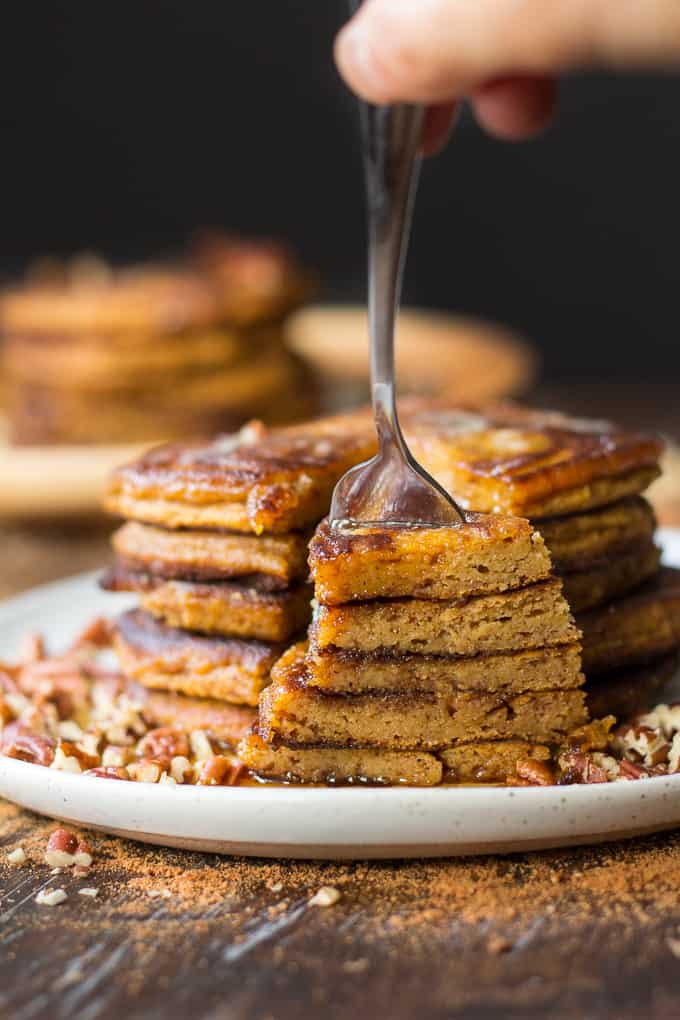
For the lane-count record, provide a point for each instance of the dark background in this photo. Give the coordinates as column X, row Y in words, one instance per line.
column 126, row 125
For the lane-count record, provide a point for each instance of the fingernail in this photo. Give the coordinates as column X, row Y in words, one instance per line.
column 355, row 56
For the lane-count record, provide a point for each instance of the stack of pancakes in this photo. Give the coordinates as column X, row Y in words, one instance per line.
column 96, row 355
column 432, row 651
column 580, row 483
column 215, row 543
column 405, row 634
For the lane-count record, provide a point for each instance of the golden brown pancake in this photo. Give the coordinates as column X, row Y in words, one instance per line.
column 282, row 392
column 151, row 363
column 339, row 765
column 486, row 553
column 524, row 618
column 225, row 280
column 227, row 669
column 492, row 761
column 263, row 480
column 585, row 589
column 294, row 714
column 348, row 672
column 584, row 541
column 274, row 560
column 531, row 463
column 225, row 608
column 636, row 629
column 226, row 723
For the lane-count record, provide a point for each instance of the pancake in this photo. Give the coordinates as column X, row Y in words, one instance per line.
column 262, row 480
column 583, row 541
column 530, row 463
column 350, row 672
column 225, row 608
column 296, row 715
column 40, row 415
column 224, row 280
column 586, row 589
column 151, row 362
column 524, row 618
column 227, row 669
column 628, row 692
column 339, row 765
column 633, row 630
column 276, row 561
column 486, row 553
column 491, row 761
column 226, row 723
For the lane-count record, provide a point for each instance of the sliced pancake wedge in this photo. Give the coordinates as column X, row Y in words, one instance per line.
column 489, row 761
column 348, row 672
column 333, row 765
column 523, row 618
column 485, row 553
column 295, row 714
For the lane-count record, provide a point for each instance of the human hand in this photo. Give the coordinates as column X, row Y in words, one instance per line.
column 501, row 54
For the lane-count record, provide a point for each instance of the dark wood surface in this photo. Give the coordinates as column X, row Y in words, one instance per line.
column 586, row 933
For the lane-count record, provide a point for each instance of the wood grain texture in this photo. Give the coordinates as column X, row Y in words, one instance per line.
column 581, row 933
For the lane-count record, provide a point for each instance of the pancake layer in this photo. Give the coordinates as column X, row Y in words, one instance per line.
column 228, row 669
column 636, row 629
column 225, row 608
column 486, row 553
column 524, row 618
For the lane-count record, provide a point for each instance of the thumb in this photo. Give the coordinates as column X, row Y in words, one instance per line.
column 432, row 51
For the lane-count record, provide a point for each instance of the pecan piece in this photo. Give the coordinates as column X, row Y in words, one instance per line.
column 97, row 634
column 85, row 760
column 214, row 771
column 164, row 744
column 108, row 772
column 18, row 741
column 579, row 767
column 536, row 773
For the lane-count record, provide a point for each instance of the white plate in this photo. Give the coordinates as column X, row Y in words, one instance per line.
column 318, row 822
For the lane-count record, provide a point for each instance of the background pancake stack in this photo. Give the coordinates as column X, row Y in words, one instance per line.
column 579, row 482
column 93, row 355
column 433, row 651
column 216, row 545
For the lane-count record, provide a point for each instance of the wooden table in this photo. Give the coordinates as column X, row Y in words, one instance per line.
column 586, row 933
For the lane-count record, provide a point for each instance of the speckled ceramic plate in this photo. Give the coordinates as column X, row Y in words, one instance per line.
column 272, row 821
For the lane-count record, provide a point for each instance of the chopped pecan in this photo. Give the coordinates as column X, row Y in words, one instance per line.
column 108, row 772
column 18, row 741
column 214, row 771
column 97, row 634
column 146, row 770
column 534, row 772
column 164, row 744
column 629, row 770
column 594, row 736
column 85, row 760
column 32, row 648
column 61, row 848
column 579, row 767
column 6, row 713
